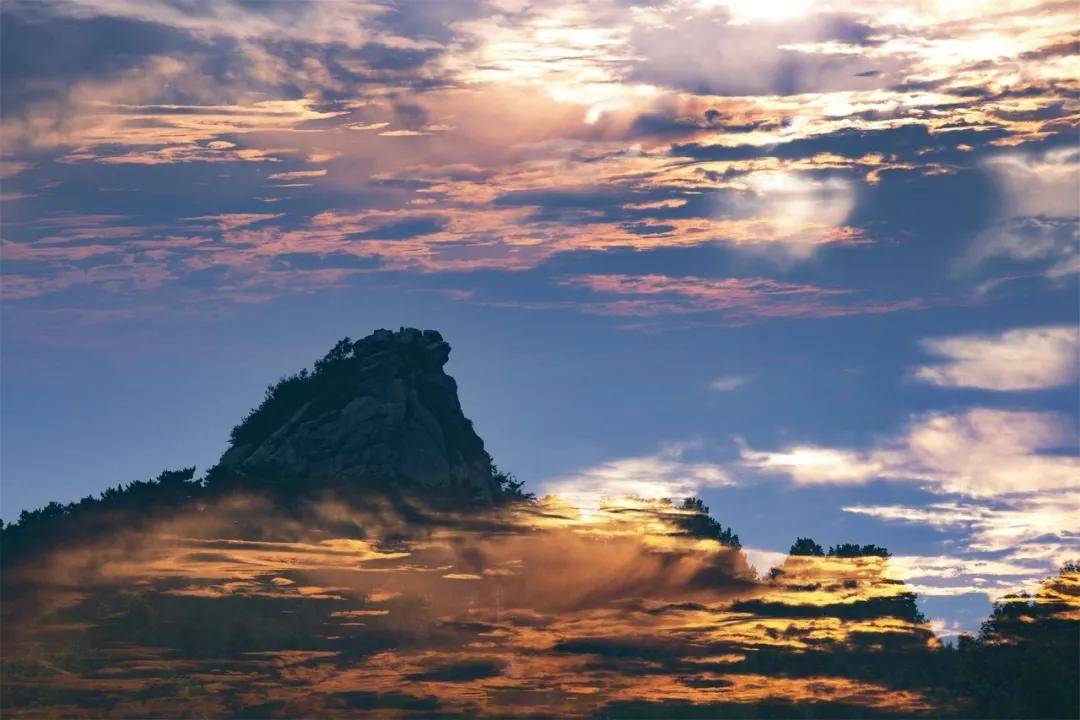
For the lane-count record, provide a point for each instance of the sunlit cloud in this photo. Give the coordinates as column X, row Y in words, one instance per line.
column 667, row 474
column 1046, row 185
column 980, row 452
column 572, row 52
column 813, row 465
column 775, row 125
column 800, row 213
column 555, row 599
column 1018, row 359
column 1039, row 213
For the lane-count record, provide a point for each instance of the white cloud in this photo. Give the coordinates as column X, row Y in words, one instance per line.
column 727, row 383
column 937, row 515
column 1040, row 185
column 797, row 212
column 1041, row 203
column 814, row 465
column 979, row 452
column 762, row 560
column 1049, row 241
column 1020, row 359
column 984, row 452
column 663, row 475
column 946, row 566
column 1018, row 525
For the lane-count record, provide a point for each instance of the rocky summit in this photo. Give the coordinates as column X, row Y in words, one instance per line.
column 373, row 414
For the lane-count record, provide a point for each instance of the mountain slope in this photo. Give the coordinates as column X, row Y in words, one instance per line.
column 377, row 413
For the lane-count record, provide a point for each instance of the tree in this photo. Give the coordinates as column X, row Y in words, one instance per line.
column 854, row 550
column 510, row 485
column 806, row 547
column 700, row 524
column 342, row 350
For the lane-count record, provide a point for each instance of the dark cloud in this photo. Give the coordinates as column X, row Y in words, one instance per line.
column 382, row 57
column 657, row 124
column 40, row 56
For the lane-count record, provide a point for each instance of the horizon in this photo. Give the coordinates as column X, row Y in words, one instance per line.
column 813, row 265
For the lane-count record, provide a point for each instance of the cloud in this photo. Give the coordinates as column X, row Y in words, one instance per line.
column 985, row 452
column 727, row 383
column 980, row 452
column 666, row 474
column 297, row 174
column 623, row 603
column 793, row 213
column 1047, row 184
column 1020, row 359
column 1006, row 525
column 813, row 465
column 761, row 560
column 1008, row 543
column 232, row 221
column 514, row 108
column 943, row 576
column 746, row 48
column 1041, row 202
column 738, row 300
column 1048, row 242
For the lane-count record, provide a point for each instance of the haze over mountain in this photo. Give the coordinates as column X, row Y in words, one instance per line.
column 356, row 551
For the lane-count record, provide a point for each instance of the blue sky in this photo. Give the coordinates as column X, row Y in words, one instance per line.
column 815, row 264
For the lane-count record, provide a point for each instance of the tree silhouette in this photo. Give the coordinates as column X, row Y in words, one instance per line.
column 806, row 546
column 1024, row 661
column 701, row 524
column 57, row 522
column 853, row 550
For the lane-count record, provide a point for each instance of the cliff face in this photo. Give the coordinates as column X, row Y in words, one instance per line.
column 377, row 413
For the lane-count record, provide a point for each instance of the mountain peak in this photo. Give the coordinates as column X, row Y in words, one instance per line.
column 378, row 413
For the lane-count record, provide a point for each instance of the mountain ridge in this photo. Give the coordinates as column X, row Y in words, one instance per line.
column 377, row 413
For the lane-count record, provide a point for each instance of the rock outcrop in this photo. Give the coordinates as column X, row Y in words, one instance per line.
column 374, row 414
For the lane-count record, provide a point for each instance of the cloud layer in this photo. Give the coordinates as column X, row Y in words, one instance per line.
column 1018, row 359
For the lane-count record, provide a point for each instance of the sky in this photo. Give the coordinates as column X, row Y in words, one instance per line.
column 814, row 263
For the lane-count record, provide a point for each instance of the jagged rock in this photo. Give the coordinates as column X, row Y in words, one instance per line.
column 380, row 412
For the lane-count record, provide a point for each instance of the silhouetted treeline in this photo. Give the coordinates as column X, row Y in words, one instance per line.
column 138, row 503
column 807, row 547
column 114, row 508
column 701, row 524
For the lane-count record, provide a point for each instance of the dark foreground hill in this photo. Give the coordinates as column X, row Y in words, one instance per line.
column 356, row 553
